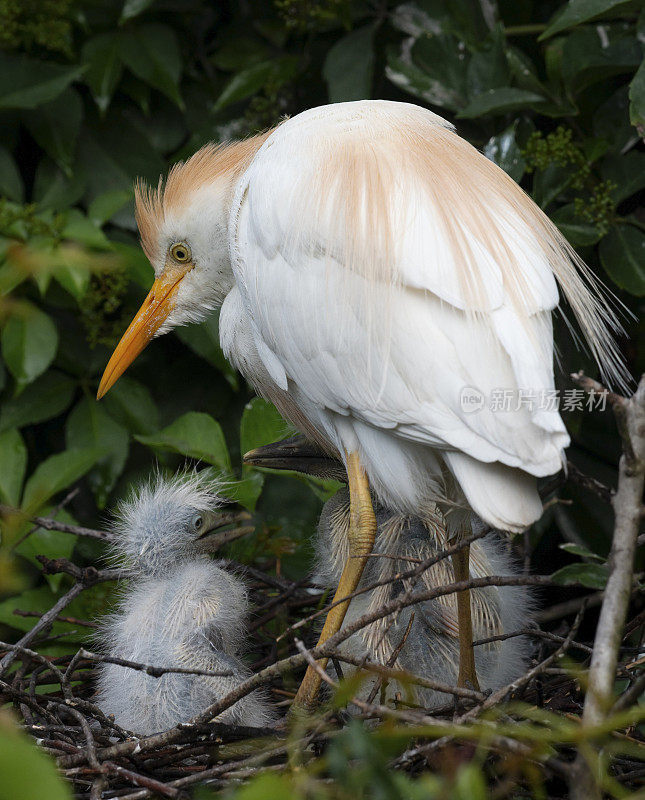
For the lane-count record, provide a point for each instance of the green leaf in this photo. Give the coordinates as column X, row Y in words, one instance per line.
column 579, row 232
column 499, row 101
column 594, row 576
column 10, row 179
column 581, row 550
column 55, row 126
column 74, row 279
column 611, row 121
column 637, row 100
column 29, row 344
column 586, row 59
column 627, row 172
column 622, row 254
column 27, row 772
column 111, row 153
column 261, row 424
column 488, row 67
column 349, row 66
column 504, row 151
column 577, row 11
column 13, row 465
column 102, row 58
column 136, row 264
column 434, row 68
column 56, row 473
column 249, row 81
column 89, row 426
column 80, row 229
column 132, row 8
column 239, row 52
column 549, row 183
column 130, row 404
column 55, row 190
column 38, row 600
column 27, row 83
column 152, row 53
column 196, row 435
column 45, row 398
column 105, row 206
column 203, row 339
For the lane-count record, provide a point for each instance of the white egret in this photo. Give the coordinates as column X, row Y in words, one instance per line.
column 179, row 610
column 375, row 273
column 429, row 647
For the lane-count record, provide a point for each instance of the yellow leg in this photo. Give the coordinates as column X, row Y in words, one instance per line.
column 362, row 531
column 467, row 672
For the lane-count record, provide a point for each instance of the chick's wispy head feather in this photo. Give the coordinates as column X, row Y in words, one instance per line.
column 163, row 519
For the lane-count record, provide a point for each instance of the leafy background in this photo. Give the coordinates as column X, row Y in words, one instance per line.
column 96, row 93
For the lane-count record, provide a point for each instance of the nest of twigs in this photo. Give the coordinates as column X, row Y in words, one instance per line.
column 104, row 761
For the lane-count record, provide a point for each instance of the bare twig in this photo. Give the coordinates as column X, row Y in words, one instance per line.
column 51, row 524
column 44, row 622
column 628, row 511
column 155, row 672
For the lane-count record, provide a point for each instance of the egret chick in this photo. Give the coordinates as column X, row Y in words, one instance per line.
column 180, row 609
column 431, row 647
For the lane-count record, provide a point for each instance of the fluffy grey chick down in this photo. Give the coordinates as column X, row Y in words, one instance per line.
column 179, row 610
column 431, row 649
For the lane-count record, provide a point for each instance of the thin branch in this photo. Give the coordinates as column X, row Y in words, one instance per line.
column 44, row 622
column 628, row 511
column 155, row 672
column 51, row 524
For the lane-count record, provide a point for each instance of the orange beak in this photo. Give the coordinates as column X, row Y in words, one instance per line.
column 150, row 317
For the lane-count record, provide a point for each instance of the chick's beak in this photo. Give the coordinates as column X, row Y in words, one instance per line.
column 149, row 318
column 213, row 538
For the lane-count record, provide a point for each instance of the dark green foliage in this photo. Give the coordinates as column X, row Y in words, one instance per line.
column 96, row 94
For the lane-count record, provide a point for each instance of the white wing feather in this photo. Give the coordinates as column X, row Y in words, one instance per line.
column 387, row 347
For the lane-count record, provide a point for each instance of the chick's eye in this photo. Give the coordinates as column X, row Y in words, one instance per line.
column 197, row 522
column 180, row 252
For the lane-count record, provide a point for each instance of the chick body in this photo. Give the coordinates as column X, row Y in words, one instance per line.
column 431, row 649
column 180, row 609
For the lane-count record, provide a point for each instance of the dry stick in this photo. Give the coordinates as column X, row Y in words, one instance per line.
column 67, row 499
column 392, row 659
column 568, row 607
column 32, row 654
column 155, row 672
column 83, row 623
column 44, row 622
column 409, row 677
column 141, row 780
column 631, row 695
column 50, row 524
column 628, row 511
column 502, row 637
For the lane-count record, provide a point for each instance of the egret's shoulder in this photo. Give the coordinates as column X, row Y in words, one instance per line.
column 310, row 132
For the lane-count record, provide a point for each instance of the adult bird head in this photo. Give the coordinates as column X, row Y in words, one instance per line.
column 184, row 232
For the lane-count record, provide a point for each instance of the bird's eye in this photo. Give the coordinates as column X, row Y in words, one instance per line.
column 180, row 252
column 197, row 522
